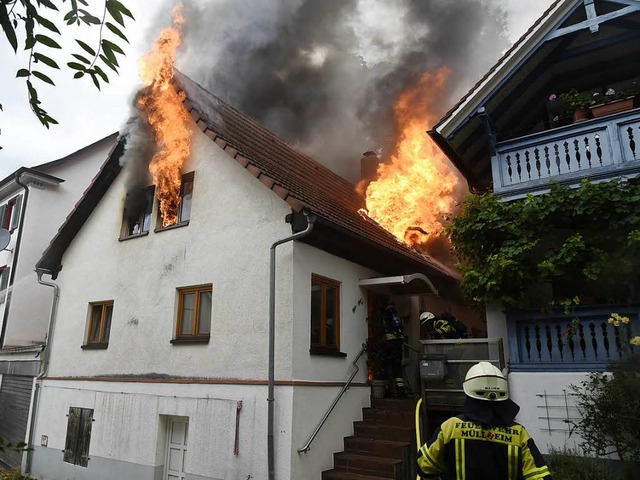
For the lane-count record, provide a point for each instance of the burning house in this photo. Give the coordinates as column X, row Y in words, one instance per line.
column 193, row 352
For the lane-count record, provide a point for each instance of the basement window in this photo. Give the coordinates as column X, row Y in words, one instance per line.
column 183, row 209
column 325, row 315
column 137, row 213
column 76, row 446
column 100, row 314
column 194, row 314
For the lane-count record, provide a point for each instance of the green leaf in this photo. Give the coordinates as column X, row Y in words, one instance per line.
column 29, row 42
column 70, row 16
column 83, row 2
column 51, row 120
column 95, row 80
column 100, row 72
column 114, row 12
column 109, row 53
column 77, row 66
column 81, row 58
column 46, row 60
column 47, row 3
column 78, row 75
column 42, row 77
column 112, row 46
column 9, row 32
column 108, row 63
column 88, row 18
column 49, row 42
column 117, row 31
column 86, row 48
column 23, row 72
column 120, row 7
column 47, row 24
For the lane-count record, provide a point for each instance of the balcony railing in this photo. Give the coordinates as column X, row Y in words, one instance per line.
column 600, row 148
column 583, row 340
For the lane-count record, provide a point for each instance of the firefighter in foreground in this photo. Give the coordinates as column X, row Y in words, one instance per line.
column 484, row 442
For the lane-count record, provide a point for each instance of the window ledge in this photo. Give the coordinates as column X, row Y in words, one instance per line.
column 171, row 227
column 329, row 352
column 129, row 237
column 187, row 340
column 95, row 346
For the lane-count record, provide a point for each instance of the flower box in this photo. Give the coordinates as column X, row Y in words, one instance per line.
column 614, row 106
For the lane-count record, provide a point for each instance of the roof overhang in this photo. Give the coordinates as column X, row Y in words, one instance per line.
column 422, row 282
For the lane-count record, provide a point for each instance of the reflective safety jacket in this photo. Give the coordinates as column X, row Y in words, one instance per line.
column 465, row 450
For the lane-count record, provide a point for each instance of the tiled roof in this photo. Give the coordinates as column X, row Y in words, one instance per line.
column 298, row 179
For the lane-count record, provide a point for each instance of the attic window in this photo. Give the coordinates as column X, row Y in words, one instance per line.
column 137, row 212
column 10, row 213
column 184, row 207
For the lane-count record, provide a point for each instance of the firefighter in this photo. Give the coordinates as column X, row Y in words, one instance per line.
column 443, row 326
column 394, row 340
column 484, row 442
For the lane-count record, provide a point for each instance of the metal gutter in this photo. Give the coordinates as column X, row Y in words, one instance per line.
column 272, row 336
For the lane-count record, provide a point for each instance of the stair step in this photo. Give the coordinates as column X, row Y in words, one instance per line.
column 404, row 418
column 383, row 432
column 339, row 475
column 365, row 464
column 375, row 446
column 395, row 404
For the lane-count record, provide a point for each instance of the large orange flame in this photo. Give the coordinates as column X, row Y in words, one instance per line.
column 169, row 119
column 418, row 188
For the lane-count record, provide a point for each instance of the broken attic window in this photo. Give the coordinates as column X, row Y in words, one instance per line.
column 137, row 212
column 183, row 213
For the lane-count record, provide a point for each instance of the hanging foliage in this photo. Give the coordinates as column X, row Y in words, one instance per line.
column 581, row 242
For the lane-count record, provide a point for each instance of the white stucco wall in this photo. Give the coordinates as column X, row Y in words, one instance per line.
column 234, row 221
column 545, row 404
column 128, row 428
column 46, row 209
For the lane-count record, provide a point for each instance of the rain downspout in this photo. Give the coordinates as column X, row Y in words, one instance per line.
column 272, row 336
column 16, row 250
column 45, row 354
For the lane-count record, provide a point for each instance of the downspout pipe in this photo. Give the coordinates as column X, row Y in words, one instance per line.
column 16, row 250
column 272, row 337
column 45, row 355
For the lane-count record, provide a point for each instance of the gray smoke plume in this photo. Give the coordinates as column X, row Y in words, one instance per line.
column 324, row 74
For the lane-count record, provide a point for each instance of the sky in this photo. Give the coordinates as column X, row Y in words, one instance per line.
column 86, row 115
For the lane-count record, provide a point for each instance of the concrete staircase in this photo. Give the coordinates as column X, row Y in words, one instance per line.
column 383, row 444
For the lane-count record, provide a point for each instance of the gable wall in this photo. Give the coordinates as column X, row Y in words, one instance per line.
column 234, row 220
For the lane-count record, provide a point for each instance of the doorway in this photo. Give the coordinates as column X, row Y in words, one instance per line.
column 177, row 437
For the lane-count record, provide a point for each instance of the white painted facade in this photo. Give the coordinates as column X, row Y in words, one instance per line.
column 234, row 221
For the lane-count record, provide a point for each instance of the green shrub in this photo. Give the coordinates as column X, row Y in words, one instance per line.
column 568, row 464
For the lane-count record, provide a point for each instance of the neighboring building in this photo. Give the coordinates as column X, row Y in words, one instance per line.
column 160, row 357
column 501, row 136
column 34, row 202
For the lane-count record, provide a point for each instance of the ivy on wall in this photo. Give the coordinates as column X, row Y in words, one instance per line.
column 582, row 242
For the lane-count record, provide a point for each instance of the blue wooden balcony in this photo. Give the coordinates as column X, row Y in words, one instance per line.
column 598, row 149
column 541, row 341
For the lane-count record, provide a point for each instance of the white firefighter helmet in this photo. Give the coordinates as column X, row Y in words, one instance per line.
column 484, row 381
column 426, row 316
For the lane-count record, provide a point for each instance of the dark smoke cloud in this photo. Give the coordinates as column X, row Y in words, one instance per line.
column 324, row 74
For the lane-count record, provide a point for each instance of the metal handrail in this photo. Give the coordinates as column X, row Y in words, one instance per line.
column 307, row 446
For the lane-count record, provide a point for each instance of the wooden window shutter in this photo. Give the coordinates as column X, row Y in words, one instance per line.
column 73, row 427
column 84, row 439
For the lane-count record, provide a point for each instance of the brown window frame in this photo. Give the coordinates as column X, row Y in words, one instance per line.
column 101, row 342
column 322, row 346
column 187, row 179
column 194, row 336
column 141, row 214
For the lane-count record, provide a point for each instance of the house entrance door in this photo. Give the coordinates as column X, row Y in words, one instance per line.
column 177, row 434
